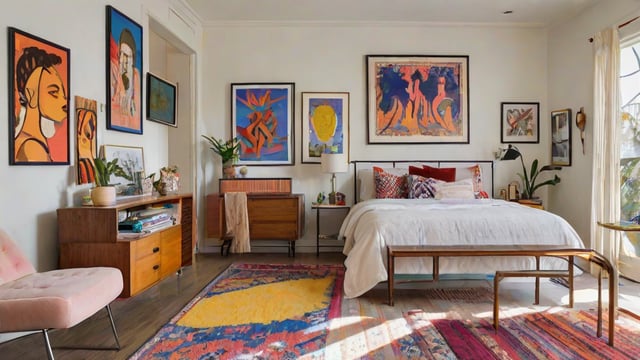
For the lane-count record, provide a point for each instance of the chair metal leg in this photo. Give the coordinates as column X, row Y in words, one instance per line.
column 47, row 344
column 113, row 326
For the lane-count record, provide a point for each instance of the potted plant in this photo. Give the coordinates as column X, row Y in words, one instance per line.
column 229, row 152
column 104, row 194
column 529, row 179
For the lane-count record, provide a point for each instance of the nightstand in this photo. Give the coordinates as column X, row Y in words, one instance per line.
column 326, row 207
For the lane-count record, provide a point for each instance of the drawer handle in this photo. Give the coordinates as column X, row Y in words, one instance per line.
column 156, row 249
column 156, row 267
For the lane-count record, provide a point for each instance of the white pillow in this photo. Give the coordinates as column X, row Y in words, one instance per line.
column 462, row 189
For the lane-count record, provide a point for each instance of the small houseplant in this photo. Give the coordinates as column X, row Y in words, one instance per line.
column 229, row 152
column 104, row 194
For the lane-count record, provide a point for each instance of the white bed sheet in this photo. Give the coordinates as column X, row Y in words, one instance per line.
column 373, row 224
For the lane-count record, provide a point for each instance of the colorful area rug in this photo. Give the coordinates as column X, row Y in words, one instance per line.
column 297, row 312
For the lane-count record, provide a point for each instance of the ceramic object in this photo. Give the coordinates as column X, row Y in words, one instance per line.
column 103, row 196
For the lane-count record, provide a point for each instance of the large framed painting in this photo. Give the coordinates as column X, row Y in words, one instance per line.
column 161, row 100
column 520, row 122
column 124, row 66
column 325, row 124
column 415, row 99
column 262, row 120
column 86, row 139
column 38, row 100
column 561, row 137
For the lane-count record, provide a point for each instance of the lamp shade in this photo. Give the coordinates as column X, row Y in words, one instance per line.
column 511, row 153
column 334, row 163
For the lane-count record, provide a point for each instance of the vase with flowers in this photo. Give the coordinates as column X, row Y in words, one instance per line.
column 229, row 152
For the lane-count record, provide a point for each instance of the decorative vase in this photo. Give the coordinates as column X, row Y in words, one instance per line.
column 228, row 169
column 103, row 196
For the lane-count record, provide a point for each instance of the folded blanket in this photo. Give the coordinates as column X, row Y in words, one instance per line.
column 237, row 219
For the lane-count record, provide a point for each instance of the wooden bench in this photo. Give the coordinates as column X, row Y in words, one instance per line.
column 537, row 251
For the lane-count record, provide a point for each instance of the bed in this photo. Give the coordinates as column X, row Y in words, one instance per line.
column 374, row 223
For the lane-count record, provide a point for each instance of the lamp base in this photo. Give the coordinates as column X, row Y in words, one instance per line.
column 332, row 198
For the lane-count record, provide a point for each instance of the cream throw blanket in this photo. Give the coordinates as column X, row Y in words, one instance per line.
column 237, row 218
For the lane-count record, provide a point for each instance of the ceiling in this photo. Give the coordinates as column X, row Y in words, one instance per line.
column 525, row 12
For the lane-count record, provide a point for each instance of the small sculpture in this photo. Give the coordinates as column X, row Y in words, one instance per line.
column 320, row 198
column 581, row 123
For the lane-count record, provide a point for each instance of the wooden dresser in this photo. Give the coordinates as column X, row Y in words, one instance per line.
column 89, row 236
column 274, row 212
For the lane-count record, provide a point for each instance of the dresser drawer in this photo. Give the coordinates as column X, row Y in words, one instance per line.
column 147, row 246
column 145, row 272
column 273, row 231
column 171, row 250
column 285, row 209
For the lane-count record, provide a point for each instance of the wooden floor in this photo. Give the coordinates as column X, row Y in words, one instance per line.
column 138, row 318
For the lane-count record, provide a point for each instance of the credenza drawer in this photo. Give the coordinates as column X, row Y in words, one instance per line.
column 147, row 246
column 145, row 272
column 270, row 231
column 285, row 209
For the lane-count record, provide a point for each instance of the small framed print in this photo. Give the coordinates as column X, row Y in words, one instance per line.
column 325, row 124
column 161, row 100
column 561, row 137
column 520, row 122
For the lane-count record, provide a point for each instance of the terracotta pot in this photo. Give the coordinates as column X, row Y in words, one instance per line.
column 103, row 196
column 228, row 169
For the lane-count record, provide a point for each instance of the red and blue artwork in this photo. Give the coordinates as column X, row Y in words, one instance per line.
column 262, row 121
column 413, row 99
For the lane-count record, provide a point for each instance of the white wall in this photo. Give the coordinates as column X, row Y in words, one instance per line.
column 505, row 64
column 31, row 194
column 571, row 86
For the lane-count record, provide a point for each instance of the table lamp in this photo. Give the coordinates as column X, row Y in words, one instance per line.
column 334, row 163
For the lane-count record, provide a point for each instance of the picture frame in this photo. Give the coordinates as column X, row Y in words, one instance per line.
column 561, row 137
column 520, row 122
column 130, row 158
column 123, row 72
column 262, row 120
column 325, row 125
column 86, row 115
column 404, row 113
column 161, row 100
column 33, row 138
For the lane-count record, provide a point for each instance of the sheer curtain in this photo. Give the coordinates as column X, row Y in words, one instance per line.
column 606, row 148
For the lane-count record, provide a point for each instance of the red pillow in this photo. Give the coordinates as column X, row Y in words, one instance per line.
column 414, row 170
column 388, row 185
column 444, row 174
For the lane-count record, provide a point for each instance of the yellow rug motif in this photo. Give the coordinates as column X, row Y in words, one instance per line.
column 260, row 304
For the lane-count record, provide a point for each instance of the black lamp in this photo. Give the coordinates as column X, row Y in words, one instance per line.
column 511, row 153
column 529, row 179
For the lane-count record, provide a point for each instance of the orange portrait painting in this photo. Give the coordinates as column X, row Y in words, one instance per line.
column 39, row 98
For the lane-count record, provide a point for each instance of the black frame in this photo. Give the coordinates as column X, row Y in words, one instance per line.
column 116, row 19
column 561, row 118
column 161, row 89
column 13, row 97
column 505, row 107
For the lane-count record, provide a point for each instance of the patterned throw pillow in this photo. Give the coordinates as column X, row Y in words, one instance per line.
column 421, row 187
column 475, row 174
column 388, row 185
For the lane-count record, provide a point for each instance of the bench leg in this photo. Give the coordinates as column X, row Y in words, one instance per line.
column 390, row 271
column 47, row 343
column 496, row 303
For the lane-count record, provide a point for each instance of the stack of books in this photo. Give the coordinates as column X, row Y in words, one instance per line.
column 147, row 221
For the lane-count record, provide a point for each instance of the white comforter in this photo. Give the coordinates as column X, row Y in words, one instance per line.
column 373, row 224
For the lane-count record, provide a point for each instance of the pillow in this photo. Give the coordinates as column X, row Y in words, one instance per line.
column 462, row 189
column 444, row 174
column 421, row 187
column 475, row 174
column 414, row 170
column 389, row 185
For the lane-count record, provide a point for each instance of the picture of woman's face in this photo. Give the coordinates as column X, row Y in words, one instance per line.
column 52, row 96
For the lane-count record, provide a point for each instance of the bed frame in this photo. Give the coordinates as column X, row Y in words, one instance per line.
column 486, row 167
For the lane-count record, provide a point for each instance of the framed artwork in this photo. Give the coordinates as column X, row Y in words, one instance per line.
column 86, row 139
column 520, row 122
column 262, row 120
column 38, row 100
column 413, row 99
column 130, row 158
column 161, row 100
column 561, row 137
column 124, row 66
column 325, row 124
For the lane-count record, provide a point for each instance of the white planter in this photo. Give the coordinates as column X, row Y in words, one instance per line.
column 103, row 196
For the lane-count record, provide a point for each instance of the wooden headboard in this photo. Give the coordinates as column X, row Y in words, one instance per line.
column 486, row 167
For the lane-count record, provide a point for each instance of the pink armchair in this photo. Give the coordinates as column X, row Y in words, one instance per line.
column 58, row 299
